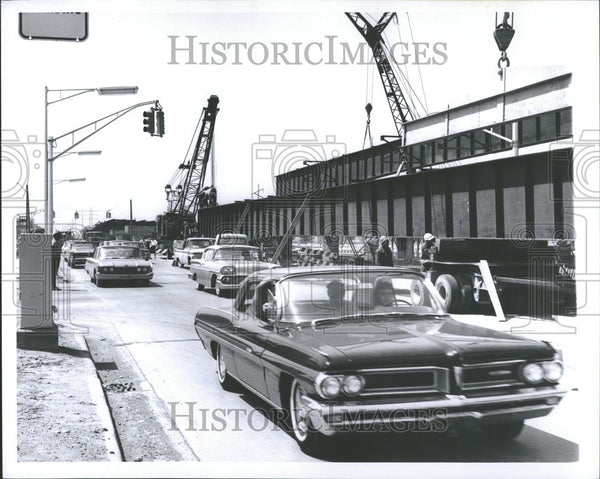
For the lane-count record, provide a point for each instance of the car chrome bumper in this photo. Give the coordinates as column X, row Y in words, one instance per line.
column 124, row 277
column 351, row 417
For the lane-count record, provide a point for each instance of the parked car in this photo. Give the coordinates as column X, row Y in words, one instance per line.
column 191, row 248
column 224, row 267
column 76, row 252
column 371, row 348
column 118, row 263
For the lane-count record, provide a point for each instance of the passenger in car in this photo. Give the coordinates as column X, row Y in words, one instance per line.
column 383, row 295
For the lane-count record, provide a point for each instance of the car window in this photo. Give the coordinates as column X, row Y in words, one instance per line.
column 119, row 253
column 317, row 296
column 199, row 243
column 246, row 295
column 237, row 254
column 208, row 255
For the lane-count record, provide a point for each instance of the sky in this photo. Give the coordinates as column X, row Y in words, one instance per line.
column 132, row 43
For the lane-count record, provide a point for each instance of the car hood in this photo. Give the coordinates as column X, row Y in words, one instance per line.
column 195, row 250
column 123, row 262
column 398, row 343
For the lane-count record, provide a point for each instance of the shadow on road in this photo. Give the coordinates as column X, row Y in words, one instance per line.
column 532, row 445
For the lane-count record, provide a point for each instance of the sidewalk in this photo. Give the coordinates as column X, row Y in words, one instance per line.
column 62, row 413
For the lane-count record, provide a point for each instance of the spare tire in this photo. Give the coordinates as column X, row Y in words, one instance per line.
column 447, row 286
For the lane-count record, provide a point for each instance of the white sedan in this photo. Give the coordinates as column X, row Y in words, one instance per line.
column 118, row 263
column 224, row 267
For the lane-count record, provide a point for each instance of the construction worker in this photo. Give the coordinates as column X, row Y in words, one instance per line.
column 383, row 255
column 427, row 246
column 57, row 245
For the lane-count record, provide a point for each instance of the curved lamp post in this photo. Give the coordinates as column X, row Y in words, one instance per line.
column 49, row 141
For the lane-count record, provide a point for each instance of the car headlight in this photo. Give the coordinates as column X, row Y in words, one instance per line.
column 228, row 270
column 330, row 386
column 352, row 385
column 533, row 373
column 553, row 371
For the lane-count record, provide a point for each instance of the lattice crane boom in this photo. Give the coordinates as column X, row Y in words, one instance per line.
column 401, row 112
column 192, row 187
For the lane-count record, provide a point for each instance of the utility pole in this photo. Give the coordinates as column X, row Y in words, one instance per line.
column 131, row 219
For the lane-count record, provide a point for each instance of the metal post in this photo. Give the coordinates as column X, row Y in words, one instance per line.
column 49, row 187
column 47, row 156
column 131, row 220
column 515, row 138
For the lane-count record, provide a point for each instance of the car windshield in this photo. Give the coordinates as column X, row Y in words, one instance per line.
column 122, row 252
column 374, row 294
column 83, row 246
column 232, row 240
column 200, row 243
column 237, row 254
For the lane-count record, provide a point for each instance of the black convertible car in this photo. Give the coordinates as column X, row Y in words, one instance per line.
column 371, row 349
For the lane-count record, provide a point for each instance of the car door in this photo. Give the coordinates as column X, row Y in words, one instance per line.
column 251, row 334
column 203, row 273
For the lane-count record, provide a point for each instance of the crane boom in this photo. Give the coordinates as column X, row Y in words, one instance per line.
column 373, row 36
column 192, row 189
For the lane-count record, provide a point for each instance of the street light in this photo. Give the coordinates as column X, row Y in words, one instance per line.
column 49, row 141
column 70, row 180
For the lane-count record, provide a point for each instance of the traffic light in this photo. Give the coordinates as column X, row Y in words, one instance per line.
column 108, row 215
column 149, row 122
column 160, row 122
column 76, row 215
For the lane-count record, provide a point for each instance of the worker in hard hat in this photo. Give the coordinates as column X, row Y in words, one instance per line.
column 427, row 245
column 383, row 254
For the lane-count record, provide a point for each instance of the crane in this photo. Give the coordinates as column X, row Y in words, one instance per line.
column 399, row 106
column 186, row 192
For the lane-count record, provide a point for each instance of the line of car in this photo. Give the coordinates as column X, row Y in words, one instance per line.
column 355, row 348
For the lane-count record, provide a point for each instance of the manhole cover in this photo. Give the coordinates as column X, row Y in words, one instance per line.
column 119, row 387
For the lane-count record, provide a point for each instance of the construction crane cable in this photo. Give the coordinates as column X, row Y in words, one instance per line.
column 418, row 66
column 409, row 91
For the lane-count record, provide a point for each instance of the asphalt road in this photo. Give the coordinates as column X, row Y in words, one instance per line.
column 154, row 325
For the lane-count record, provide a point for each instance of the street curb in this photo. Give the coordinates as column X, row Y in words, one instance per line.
column 97, row 393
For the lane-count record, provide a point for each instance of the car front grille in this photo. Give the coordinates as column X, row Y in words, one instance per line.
column 418, row 380
column 489, row 375
column 123, row 270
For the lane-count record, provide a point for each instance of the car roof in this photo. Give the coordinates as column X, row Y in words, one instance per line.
column 200, row 238
column 283, row 272
column 233, row 246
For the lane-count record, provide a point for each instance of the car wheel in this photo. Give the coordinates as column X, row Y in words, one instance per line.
column 175, row 262
column 225, row 380
column 309, row 440
column 447, row 286
column 99, row 283
column 504, row 431
column 200, row 286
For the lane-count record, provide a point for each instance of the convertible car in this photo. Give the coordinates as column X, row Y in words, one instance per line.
column 224, row 267
column 118, row 263
column 371, row 349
